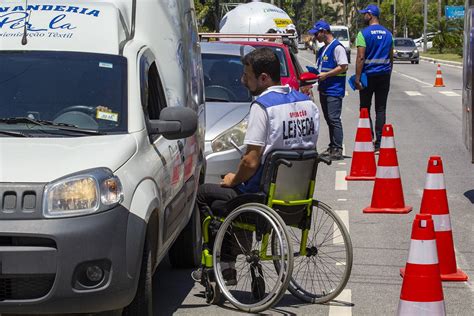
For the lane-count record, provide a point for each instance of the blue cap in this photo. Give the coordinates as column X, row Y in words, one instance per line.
column 372, row 9
column 319, row 26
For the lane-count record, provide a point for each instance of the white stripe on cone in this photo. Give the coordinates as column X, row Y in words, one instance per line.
column 387, row 142
column 423, row 252
column 364, row 123
column 387, row 172
column 407, row 308
column 435, row 181
column 442, row 223
column 364, row 147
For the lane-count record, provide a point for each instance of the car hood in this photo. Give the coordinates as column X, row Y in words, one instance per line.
column 220, row 116
column 42, row 160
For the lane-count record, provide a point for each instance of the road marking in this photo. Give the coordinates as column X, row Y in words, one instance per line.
column 343, row 149
column 341, row 183
column 344, row 216
column 347, row 93
column 441, row 63
column 449, row 93
column 340, row 309
column 342, row 163
column 413, row 93
column 341, row 200
column 413, row 78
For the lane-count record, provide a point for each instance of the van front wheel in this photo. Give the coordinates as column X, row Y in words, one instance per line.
column 142, row 303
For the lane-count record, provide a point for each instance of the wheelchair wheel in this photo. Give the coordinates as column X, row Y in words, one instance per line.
column 322, row 273
column 253, row 237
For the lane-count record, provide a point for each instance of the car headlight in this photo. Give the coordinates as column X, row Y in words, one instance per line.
column 416, row 51
column 234, row 134
column 395, row 51
column 82, row 193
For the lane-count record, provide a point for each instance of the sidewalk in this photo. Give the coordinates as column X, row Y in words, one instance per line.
column 441, row 61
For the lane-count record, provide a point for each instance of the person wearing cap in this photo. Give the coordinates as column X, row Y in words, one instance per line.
column 291, row 29
column 332, row 64
column 375, row 59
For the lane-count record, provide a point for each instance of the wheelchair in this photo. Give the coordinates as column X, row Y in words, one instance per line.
column 278, row 239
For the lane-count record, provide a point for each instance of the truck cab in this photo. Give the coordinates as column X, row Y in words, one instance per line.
column 101, row 151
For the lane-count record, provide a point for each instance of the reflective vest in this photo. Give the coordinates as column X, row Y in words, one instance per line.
column 334, row 86
column 293, row 123
column 379, row 42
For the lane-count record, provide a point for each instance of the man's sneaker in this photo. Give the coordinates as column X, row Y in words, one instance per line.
column 196, row 275
column 377, row 150
column 230, row 276
column 327, row 152
column 336, row 154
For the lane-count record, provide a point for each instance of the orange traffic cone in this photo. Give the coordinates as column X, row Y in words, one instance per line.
column 363, row 158
column 422, row 292
column 435, row 202
column 439, row 78
column 387, row 196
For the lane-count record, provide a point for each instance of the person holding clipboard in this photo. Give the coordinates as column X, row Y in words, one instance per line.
column 375, row 60
column 331, row 66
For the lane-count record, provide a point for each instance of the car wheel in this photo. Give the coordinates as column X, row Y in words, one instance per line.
column 186, row 250
column 142, row 303
column 417, row 62
column 412, row 62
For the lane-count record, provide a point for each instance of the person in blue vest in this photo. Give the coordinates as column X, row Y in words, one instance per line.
column 274, row 116
column 332, row 65
column 375, row 59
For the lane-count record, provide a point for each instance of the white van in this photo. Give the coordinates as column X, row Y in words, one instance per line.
column 99, row 155
column 341, row 33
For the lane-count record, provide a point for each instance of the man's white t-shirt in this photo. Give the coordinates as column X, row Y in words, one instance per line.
column 340, row 55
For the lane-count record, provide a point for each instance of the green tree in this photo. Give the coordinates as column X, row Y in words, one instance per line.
column 449, row 36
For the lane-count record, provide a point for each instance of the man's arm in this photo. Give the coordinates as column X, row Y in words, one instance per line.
column 360, row 59
column 391, row 57
column 342, row 64
column 248, row 166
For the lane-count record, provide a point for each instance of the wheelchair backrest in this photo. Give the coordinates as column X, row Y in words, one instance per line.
column 292, row 182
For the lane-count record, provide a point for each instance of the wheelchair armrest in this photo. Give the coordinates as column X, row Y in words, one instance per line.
column 244, row 199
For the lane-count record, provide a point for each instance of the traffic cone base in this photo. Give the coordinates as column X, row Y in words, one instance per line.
column 353, row 178
column 403, row 210
column 458, row 276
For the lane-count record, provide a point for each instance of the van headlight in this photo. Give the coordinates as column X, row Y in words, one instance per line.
column 82, row 193
column 236, row 134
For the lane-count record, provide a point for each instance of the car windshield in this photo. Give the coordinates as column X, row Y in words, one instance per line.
column 340, row 35
column 80, row 89
column 222, row 75
column 404, row 43
column 281, row 56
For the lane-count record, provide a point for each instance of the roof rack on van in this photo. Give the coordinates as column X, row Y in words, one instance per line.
column 284, row 37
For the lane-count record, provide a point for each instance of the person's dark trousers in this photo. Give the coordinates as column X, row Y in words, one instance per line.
column 380, row 86
column 332, row 107
column 212, row 196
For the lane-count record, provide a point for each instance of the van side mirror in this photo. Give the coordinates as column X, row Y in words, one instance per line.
column 174, row 123
column 307, row 78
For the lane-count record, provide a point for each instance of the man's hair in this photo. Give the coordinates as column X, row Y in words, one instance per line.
column 263, row 60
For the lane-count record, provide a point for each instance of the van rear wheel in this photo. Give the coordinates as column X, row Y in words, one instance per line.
column 142, row 303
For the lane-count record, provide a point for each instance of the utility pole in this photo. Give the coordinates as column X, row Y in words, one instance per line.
column 425, row 23
column 394, row 17
column 344, row 10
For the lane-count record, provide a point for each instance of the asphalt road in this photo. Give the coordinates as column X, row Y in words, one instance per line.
column 426, row 121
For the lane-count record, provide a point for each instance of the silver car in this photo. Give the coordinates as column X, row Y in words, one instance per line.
column 227, row 107
column 405, row 50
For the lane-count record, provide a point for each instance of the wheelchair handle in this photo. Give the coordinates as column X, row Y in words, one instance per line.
column 326, row 160
column 285, row 162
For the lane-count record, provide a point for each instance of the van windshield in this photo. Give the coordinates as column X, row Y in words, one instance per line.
column 340, row 35
column 85, row 90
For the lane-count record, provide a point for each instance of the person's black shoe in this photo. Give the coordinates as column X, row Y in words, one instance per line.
column 336, row 154
column 327, row 152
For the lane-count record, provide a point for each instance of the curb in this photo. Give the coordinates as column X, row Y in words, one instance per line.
column 441, row 61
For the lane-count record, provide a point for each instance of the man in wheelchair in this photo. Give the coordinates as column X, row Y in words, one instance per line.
column 280, row 119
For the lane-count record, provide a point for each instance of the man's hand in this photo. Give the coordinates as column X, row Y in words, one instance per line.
column 228, row 181
column 322, row 76
column 358, row 85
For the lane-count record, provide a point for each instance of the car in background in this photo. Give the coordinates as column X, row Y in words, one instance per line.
column 290, row 68
column 429, row 41
column 405, row 50
column 227, row 106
